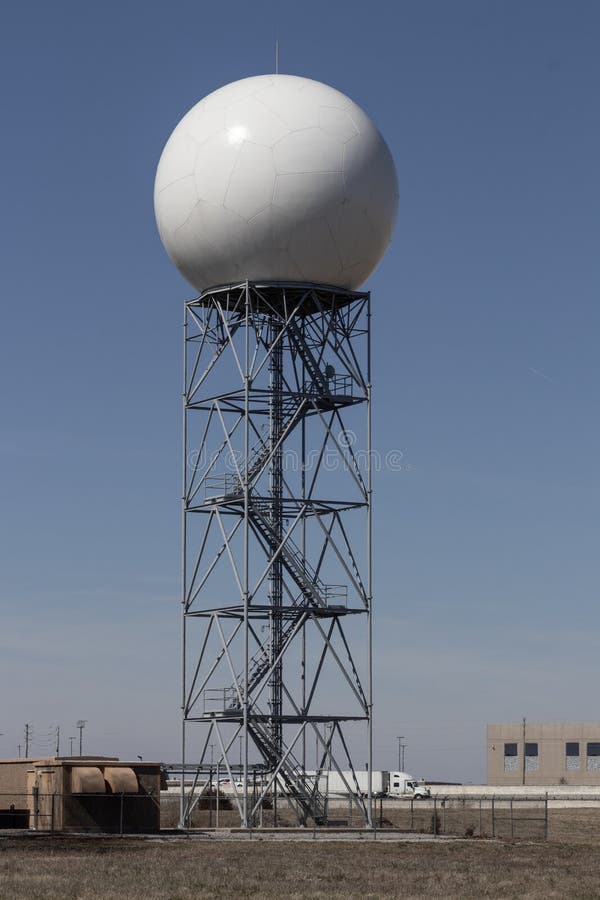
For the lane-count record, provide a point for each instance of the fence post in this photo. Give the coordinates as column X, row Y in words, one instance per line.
column 412, row 813
column 35, row 793
column 512, row 830
column 121, row 811
column 480, row 819
column 443, row 817
column 217, row 799
column 52, row 814
column 493, row 817
column 546, row 817
column 435, row 816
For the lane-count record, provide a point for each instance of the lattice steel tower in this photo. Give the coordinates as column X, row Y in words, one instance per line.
column 275, row 377
column 276, row 189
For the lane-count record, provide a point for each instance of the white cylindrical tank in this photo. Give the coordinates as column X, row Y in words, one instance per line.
column 276, row 178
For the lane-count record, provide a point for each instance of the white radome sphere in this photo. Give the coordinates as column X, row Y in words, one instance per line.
column 276, row 178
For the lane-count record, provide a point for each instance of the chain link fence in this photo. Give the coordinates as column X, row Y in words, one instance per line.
column 466, row 817
column 461, row 817
column 575, row 820
column 120, row 813
column 517, row 818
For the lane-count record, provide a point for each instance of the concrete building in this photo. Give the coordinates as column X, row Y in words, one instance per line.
column 80, row 794
column 533, row 753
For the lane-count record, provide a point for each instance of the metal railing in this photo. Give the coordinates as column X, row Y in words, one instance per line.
column 217, row 700
column 336, row 386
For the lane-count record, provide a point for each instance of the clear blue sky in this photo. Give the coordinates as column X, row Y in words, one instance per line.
column 486, row 332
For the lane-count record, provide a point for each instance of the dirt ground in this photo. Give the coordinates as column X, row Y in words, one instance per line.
column 70, row 868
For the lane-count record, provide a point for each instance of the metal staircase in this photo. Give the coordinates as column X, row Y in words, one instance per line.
column 291, row 412
column 293, row 560
column 311, row 364
column 301, row 790
column 313, row 590
column 259, row 665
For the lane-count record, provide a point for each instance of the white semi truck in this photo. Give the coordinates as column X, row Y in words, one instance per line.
column 383, row 784
column 404, row 785
column 334, row 784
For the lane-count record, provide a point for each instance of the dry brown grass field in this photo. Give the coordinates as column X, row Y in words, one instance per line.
column 68, row 868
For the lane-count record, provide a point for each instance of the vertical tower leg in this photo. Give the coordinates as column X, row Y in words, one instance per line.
column 276, row 518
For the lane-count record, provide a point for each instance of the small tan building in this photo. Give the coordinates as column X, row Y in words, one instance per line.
column 80, row 794
column 543, row 753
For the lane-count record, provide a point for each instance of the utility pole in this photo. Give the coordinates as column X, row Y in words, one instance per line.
column 71, row 739
column 27, row 736
column 524, row 747
column 400, row 738
column 58, row 740
column 19, row 749
column 81, row 725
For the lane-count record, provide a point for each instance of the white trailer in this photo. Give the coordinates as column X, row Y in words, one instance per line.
column 336, row 784
column 383, row 784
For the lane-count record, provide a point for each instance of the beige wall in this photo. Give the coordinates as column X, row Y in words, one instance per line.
column 551, row 739
column 57, row 807
column 13, row 782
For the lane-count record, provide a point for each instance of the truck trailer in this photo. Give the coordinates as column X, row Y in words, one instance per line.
column 383, row 784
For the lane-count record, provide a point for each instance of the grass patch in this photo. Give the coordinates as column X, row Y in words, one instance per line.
column 86, row 869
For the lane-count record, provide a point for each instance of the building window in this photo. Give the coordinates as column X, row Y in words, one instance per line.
column 593, row 756
column 572, row 754
column 511, row 758
column 532, row 759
